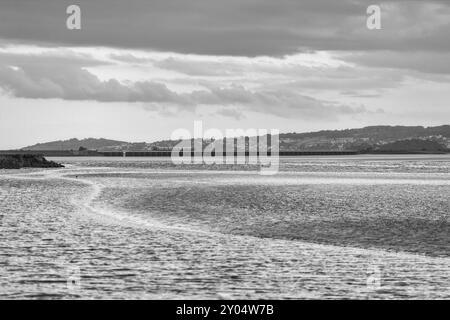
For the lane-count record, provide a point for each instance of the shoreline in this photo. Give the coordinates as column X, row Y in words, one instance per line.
column 165, row 154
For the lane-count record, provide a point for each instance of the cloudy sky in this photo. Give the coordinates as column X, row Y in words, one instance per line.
column 139, row 69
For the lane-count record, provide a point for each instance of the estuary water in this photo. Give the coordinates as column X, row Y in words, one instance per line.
column 323, row 227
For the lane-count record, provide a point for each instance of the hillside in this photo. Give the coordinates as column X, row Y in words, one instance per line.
column 75, row 144
column 377, row 132
column 363, row 139
column 413, row 145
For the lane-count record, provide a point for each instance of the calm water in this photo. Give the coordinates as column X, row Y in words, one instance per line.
column 324, row 227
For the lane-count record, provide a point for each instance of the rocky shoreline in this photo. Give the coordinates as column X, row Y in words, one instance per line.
column 18, row 161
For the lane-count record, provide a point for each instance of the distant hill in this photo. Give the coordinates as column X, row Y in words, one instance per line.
column 412, row 145
column 363, row 139
column 376, row 132
column 75, row 144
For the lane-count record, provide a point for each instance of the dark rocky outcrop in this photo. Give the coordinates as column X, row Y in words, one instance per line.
column 18, row 161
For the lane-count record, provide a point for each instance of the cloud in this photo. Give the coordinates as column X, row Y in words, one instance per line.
column 51, row 57
column 231, row 113
column 337, row 70
column 78, row 84
column 201, row 67
column 283, row 103
column 42, row 81
column 426, row 62
column 232, row 27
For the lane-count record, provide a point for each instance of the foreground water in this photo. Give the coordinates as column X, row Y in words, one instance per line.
column 323, row 227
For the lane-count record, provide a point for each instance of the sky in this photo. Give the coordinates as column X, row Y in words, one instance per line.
column 137, row 70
